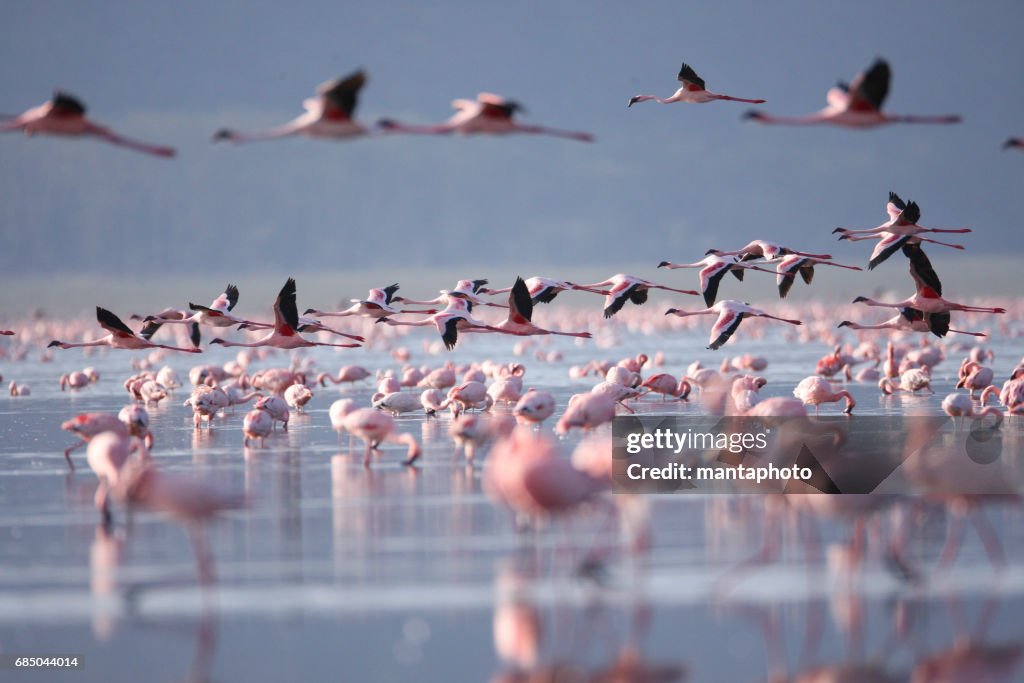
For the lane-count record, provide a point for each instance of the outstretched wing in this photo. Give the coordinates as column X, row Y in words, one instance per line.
column 496, row 106
column 688, row 77
column 226, row 301
column 111, row 323
column 886, row 247
column 520, row 305
column 727, row 323
column 286, row 314
column 450, row 333
column 895, row 206
column 478, row 285
column 341, row 95
column 389, row 292
column 869, row 89
column 921, row 268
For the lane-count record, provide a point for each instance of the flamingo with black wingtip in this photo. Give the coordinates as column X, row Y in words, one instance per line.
column 857, row 105
column 627, row 288
column 285, row 334
column 730, row 314
column 64, row 115
column 328, row 115
column 119, row 336
column 692, row 91
column 488, row 114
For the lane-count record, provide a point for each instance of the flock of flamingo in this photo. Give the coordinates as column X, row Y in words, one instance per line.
column 488, row 404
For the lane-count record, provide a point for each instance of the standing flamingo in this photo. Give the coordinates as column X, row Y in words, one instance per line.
column 328, row 115
column 730, row 314
column 488, row 114
column 65, row 115
column 857, row 105
column 120, row 337
column 816, row 390
column 627, row 288
column 693, row 91
column 285, row 334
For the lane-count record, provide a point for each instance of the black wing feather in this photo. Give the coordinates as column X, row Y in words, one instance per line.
column 938, row 323
column 895, row 200
column 232, row 293
column 389, row 293
column 546, row 296
column 911, row 214
column 477, row 285
column 111, row 321
column 729, row 331
column 921, row 268
column 286, row 304
column 194, row 335
column 343, row 93
column 711, row 293
column 638, row 295
column 67, row 103
column 873, row 84
column 787, row 284
column 519, row 298
column 889, row 251
column 687, row 74
column 450, row 336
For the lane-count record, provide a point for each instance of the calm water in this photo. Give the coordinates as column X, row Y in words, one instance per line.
column 398, row 574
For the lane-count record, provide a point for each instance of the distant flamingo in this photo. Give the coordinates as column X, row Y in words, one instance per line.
column 377, row 304
column 858, row 105
column 816, row 390
column 1014, row 143
column 712, row 269
column 793, row 264
column 627, row 288
column 910, row 381
column 257, row 425
column 453, row 319
column 120, row 336
column 974, row 377
column 542, row 290
column 375, row 427
column 520, row 315
column 286, row 324
column 217, row 314
column 693, row 91
column 730, row 314
column 488, row 114
column 667, row 385
column 64, row 115
column 328, row 115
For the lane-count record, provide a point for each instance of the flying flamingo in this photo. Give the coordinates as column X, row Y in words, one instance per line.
column 285, row 334
column 927, row 300
column 120, row 336
column 520, row 315
column 449, row 322
column 627, row 288
column 769, row 251
column 65, row 115
column 6, row 333
column 328, row 115
column 377, row 304
column 913, row 320
column 789, row 266
column 712, row 269
column 467, row 290
column 857, row 105
column 489, row 114
column 730, row 314
column 542, row 290
column 693, row 91
column 1014, row 143
column 217, row 314
column 816, row 390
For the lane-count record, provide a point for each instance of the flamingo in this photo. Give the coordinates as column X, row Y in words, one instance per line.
column 910, row 381
column 373, row 427
column 586, row 411
column 347, row 373
column 489, row 114
column 1013, row 143
column 377, row 304
column 857, row 105
column 467, row 290
column 520, row 315
column 449, row 322
column 257, row 425
column 328, row 115
column 65, row 115
column 789, row 266
column 730, row 314
column 535, row 406
column 914, row 320
column 974, row 376
column 396, row 403
column 667, row 385
column 901, row 229
column 217, row 314
column 7, row 333
column 928, row 300
column 120, row 337
column 297, row 396
column 712, row 269
column 693, row 91
column 542, row 290
column 816, row 390
column 627, row 288
column 107, row 455
column 468, row 396
column 769, row 251
column 286, row 324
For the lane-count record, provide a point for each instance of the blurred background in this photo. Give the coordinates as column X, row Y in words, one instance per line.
column 81, row 220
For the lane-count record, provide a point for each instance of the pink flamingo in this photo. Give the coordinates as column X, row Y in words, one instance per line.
column 285, row 334
column 107, row 455
column 534, row 406
column 730, row 314
column 374, row 427
column 928, row 300
column 257, row 425
column 792, row 265
column 217, row 314
column 769, row 251
column 347, row 373
column 627, row 288
column 667, row 385
column 974, row 376
column 913, row 320
column 712, row 269
column 120, row 337
column 586, row 411
column 816, row 390
column 65, row 115
column 693, row 91
column 453, row 319
column 542, row 290
column 88, row 425
column 377, row 304
column 520, row 315
column 488, row 114
column 328, row 115
column 858, row 105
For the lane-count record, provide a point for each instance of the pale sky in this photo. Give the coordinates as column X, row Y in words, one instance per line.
column 660, row 182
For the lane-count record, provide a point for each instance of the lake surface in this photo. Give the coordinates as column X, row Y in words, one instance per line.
column 396, row 574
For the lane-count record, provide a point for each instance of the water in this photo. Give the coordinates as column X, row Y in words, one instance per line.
column 397, row 574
